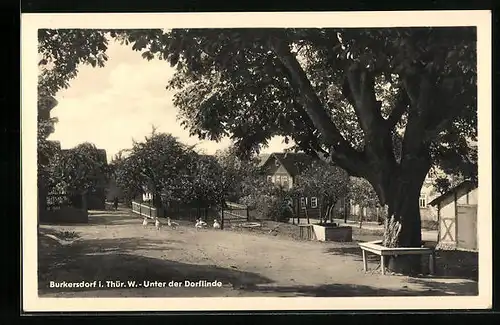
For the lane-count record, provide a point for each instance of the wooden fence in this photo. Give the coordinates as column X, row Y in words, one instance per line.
column 234, row 213
column 143, row 210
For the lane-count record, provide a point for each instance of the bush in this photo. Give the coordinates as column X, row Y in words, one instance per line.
column 67, row 235
column 279, row 210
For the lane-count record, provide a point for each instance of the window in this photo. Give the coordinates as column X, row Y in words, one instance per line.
column 284, row 181
column 270, row 179
column 314, row 202
column 278, row 179
column 422, row 202
column 302, row 202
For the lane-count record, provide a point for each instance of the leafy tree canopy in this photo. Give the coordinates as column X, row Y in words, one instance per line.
column 82, row 168
column 61, row 51
column 237, row 82
column 241, row 175
column 171, row 171
column 384, row 104
column 323, row 180
column 209, row 185
column 245, row 83
column 361, row 193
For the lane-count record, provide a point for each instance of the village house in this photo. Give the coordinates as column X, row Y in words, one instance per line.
column 96, row 197
column 457, row 217
column 282, row 169
column 428, row 213
column 55, row 206
column 427, row 194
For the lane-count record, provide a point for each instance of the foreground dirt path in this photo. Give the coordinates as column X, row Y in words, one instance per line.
column 115, row 246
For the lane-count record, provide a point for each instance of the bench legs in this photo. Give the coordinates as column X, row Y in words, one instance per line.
column 431, row 263
column 365, row 264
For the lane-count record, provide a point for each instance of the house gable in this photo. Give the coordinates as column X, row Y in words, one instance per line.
column 462, row 192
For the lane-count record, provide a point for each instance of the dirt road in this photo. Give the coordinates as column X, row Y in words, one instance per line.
column 115, row 247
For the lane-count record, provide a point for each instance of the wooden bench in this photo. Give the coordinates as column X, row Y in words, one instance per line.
column 376, row 248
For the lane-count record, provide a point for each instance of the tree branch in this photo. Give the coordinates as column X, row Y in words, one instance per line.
column 353, row 169
column 440, row 119
column 362, row 95
column 421, row 90
column 399, row 108
column 340, row 150
column 301, row 83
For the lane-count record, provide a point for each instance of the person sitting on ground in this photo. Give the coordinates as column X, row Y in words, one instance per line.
column 216, row 224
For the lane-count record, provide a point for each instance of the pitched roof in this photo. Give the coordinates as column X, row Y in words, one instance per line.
column 293, row 162
column 263, row 159
column 467, row 185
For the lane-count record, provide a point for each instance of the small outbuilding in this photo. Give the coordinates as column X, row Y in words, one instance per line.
column 457, row 216
column 63, row 208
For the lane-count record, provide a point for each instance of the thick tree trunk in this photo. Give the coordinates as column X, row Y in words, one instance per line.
column 407, row 216
column 402, row 227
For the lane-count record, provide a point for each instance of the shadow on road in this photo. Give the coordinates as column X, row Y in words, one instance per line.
column 122, row 244
column 108, row 260
column 350, row 290
column 103, row 217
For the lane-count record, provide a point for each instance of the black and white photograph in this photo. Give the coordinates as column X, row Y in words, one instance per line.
column 333, row 160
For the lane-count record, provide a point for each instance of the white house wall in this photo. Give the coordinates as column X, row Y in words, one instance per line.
column 430, row 193
column 473, row 197
column 465, row 197
column 281, row 170
column 447, row 210
column 462, row 198
column 448, row 219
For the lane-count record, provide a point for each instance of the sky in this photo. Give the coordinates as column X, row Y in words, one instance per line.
column 110, row 106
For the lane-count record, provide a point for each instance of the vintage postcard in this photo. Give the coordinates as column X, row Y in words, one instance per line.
column 340, row 160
